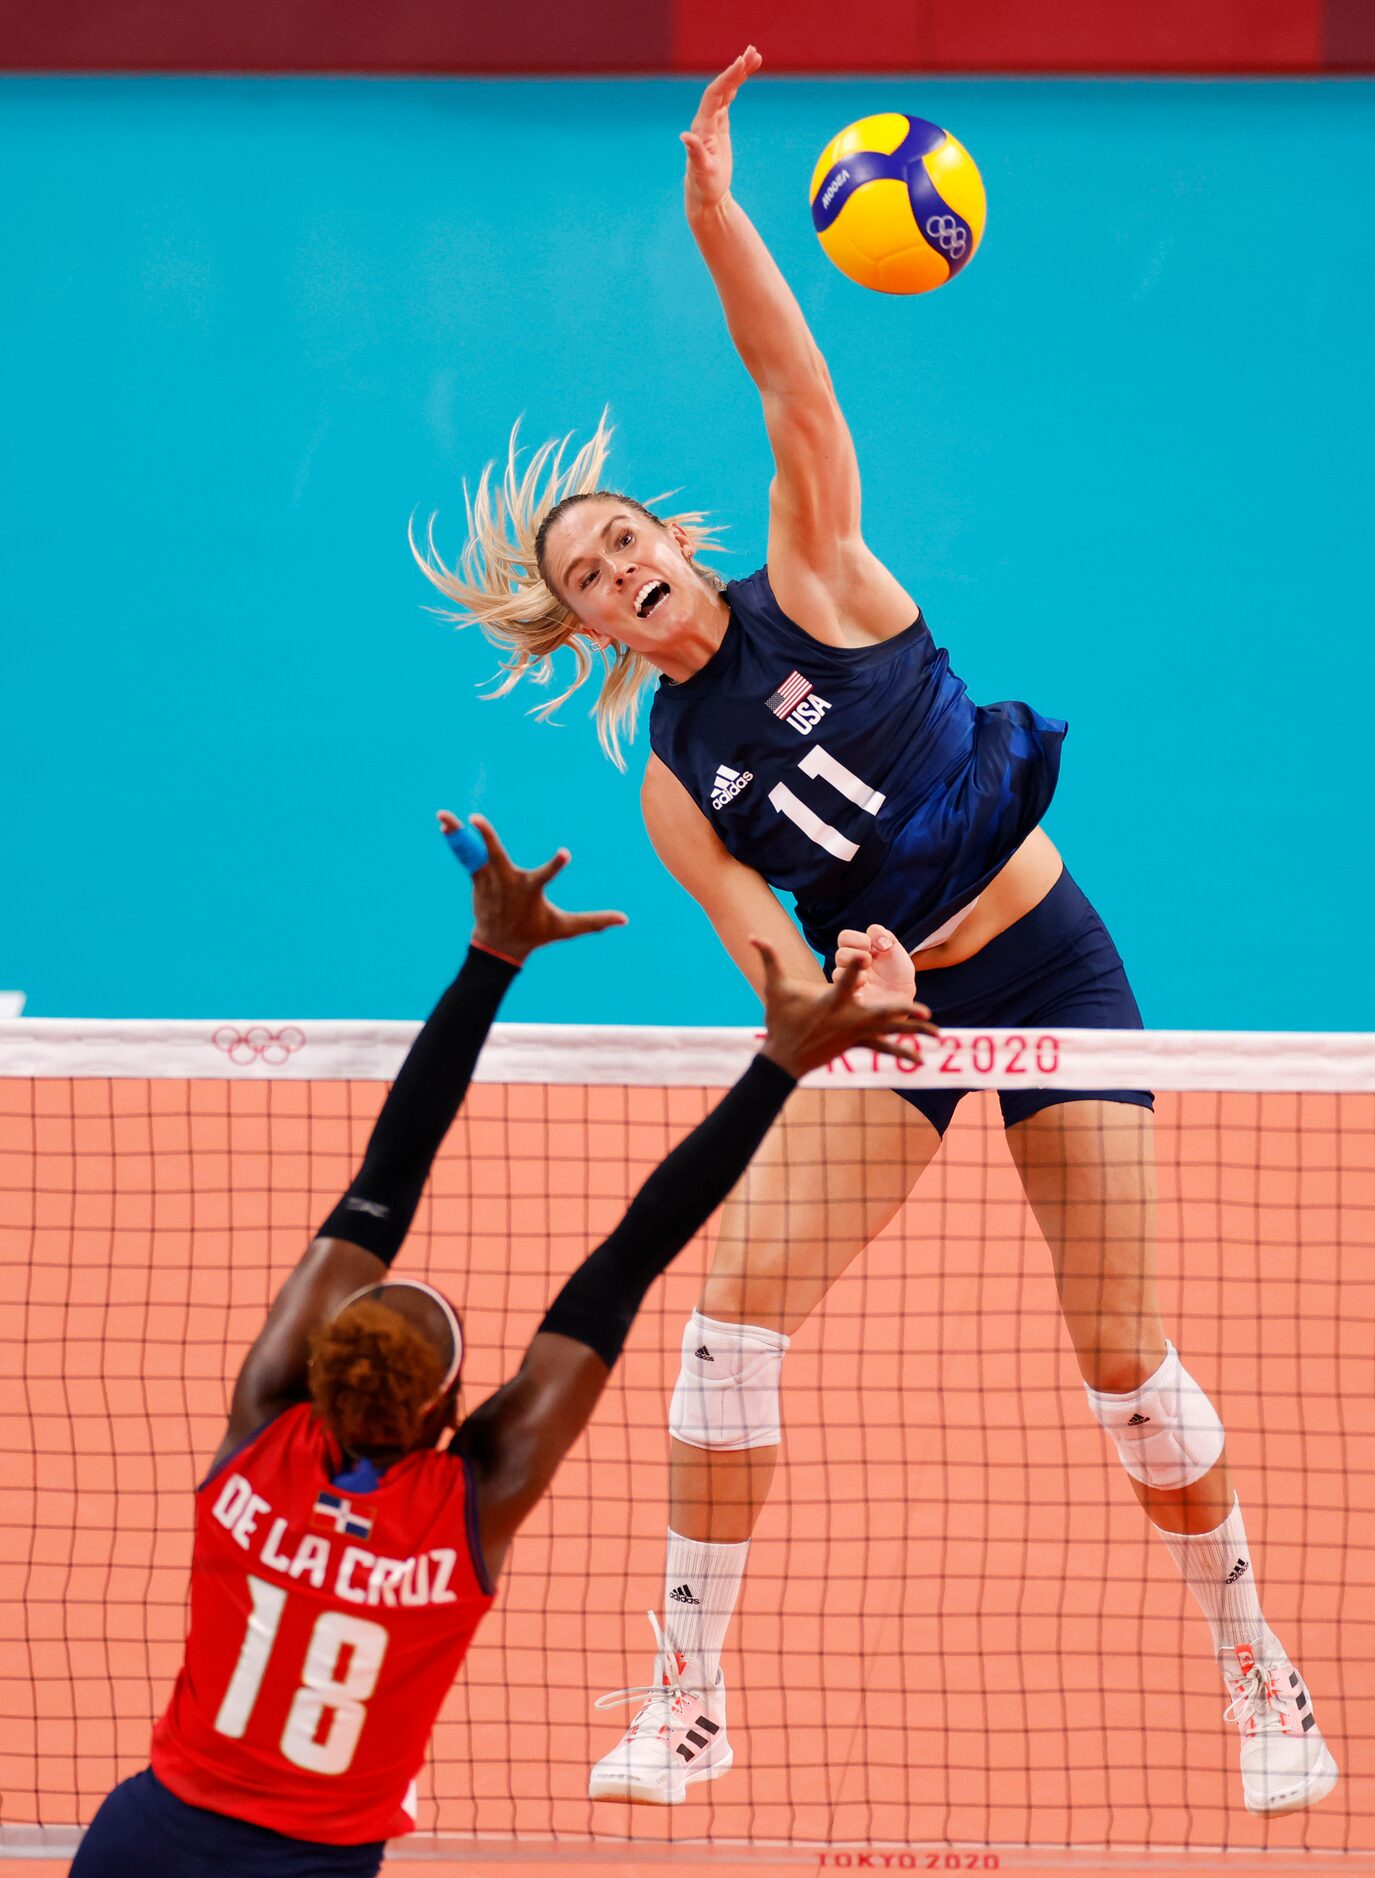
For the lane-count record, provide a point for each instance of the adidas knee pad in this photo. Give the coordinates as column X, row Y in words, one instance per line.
column 726, row 1395
column 1167, row 1432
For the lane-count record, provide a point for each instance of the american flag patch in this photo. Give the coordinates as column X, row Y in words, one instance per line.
column 332, row 1509
column 789, row 694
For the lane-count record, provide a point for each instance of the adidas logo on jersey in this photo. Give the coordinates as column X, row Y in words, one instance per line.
column 729, row 782
column 682, row 1594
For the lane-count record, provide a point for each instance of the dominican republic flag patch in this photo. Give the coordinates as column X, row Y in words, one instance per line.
column 789, row 694
column 332, row 1509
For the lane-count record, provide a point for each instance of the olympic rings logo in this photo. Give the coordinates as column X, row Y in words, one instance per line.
column 945, row 233
column 258, row 1043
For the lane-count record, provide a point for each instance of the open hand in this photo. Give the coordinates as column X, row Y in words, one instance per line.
column 807, row 1026
column 885, row 968
column 708, row 142
column 510, row 913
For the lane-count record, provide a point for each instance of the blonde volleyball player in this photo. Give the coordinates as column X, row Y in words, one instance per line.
column 342, row 1559
column 808, row 735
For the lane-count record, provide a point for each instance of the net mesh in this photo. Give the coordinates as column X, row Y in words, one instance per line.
column 956, row 1626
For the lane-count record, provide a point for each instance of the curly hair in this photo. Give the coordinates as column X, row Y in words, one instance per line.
column 501, row 578
column 373, row 1378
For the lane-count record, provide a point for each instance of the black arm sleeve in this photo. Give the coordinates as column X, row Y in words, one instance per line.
column 598, row 1304
column 377, row 1210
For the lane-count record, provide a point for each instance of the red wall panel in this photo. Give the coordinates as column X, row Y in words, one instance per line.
column 1008, row 35
column 1126, row 35
column 336, row 35
column 1349, row 38
column 531, row 36
column 803, row 35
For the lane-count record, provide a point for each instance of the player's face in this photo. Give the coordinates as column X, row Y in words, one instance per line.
column 629, row 579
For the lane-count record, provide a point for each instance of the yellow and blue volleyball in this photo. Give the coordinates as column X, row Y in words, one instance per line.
column 897, row 203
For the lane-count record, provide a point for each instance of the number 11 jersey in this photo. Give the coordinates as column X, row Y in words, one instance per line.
column 862, row 780
column 327, row 1625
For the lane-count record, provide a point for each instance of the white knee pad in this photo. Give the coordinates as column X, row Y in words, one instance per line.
column 726, row 1395
column 1167, row 1432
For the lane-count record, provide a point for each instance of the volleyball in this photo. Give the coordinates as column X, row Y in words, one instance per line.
column 897, row 203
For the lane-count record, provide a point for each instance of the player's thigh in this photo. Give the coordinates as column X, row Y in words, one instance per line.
column 1088, row 1169
column 832, row 1172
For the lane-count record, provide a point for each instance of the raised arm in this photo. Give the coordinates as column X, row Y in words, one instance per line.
column 517, row 1438
column 739, row 902
column 363, row 1234
column 822, row 573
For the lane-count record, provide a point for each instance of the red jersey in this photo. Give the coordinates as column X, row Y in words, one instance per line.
column 326, row 1628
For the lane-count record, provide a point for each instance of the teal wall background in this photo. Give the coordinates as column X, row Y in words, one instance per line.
column 247, row 327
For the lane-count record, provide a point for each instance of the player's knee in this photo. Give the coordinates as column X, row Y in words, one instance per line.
column 749, row 1285
column 1166, row 1431
column 727, row 1393
column 1116, row 1371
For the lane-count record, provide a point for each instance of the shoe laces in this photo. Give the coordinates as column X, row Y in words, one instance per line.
column 1255, row 1706
column 667, row 1691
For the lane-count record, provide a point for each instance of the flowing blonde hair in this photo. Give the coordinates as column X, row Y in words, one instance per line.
column 501, row 582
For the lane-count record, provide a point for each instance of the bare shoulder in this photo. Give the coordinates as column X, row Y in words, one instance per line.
column 735, row 897
column 671, row 816
column 659, row 784
column 683, row 838
column 852, row 600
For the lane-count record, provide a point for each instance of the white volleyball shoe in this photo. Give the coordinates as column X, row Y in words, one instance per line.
column 1285, row 1763
column 678, row 1736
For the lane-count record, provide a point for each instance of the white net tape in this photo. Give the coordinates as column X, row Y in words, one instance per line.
column 652, row 1056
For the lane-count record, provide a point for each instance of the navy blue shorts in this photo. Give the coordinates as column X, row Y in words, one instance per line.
column 1055, row 966
column 142, row 1828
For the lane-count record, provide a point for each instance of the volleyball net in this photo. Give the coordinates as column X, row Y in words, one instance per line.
column 957, row 1629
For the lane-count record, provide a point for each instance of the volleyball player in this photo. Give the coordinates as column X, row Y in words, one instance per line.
column 342, row 1560
column 808, row 735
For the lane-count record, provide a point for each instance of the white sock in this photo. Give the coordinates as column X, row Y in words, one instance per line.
column 701, row 1584
column 1218, row 1568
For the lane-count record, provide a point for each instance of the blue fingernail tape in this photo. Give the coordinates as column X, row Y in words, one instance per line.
column 468, row 846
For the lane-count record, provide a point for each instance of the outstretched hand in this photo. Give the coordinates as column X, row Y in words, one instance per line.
column 510, row 912
column 807, row 1025
column 709, row 161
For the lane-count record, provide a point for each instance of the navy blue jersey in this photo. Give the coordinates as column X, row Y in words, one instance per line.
column 861, row 780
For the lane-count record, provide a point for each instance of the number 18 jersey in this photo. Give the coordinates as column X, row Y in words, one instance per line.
column 864, row 781
column 326, row 1628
